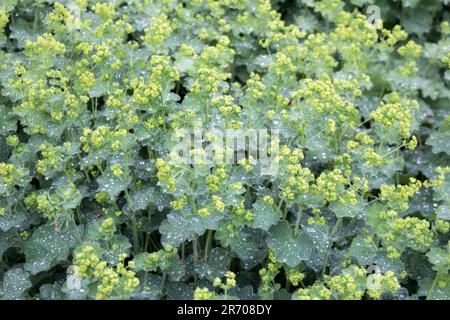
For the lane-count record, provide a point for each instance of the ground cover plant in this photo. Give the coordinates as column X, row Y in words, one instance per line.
column 93, row 205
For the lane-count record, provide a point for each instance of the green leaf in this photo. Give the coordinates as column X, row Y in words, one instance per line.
column 363, row 252
column 289, row 249
column 179, row 291
column 347, row 209
column 16, row 220
column 265, row 215
column 373, row 219
column 426, row 288
column 22, row 31
column 118, row 244
column 8, row 121
column 440, row 258
column 113, row 185
column 15, row 283
column 141, row 199
column 439, row 141
column 181, row 226
column 410, row 3
column 417, row 20
column 360, row 3
column 250, row 247
column 46, row 248
column 51, row 292
column 8, row 239
column 217, row 265
column 143, row 264
column 9, row 5
column 443, row 212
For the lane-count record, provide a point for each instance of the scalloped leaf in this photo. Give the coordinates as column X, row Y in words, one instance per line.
column 46, row 248
column 289, row 249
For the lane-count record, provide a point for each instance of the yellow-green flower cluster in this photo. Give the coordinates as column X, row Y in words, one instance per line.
column 101, row 137
column 316, row 53
column 164, row 174
column 397, row 196
column 331, row 184
column 162, row 259
column 3, row 19
column 373, row 158
column 159, row 30
column 117, row 170
column 295, row 277
column 239, row 211
column 298, row 183
column 318, row 291
column 179, row 203
column 394, row 115
column 442, row 226
column 393, row 36
column 316, row 218
column 110, row 281
column 204, row 294
column 355, row 37
column 382, row 283
column 203, row 212
column 351, row 284
column 324, row 97
column 105, row 11
column 10, row 174
column 213, row 181
column 108, row 228
column 282, row 66
column 255, row 87
column 411, row 50
column 414, row 232
column 218, row 203
column 207, row 80
column 52, row 158
column 43, row 45
column 94, row 138
column 438, row 182
column 230, row 282
column 102, row 53
column 268, row 274
column 226, row 105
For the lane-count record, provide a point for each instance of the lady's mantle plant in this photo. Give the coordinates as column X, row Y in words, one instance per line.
column 92, row 205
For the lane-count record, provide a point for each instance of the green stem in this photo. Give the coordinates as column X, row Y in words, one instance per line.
column 133, row 224
column 208, row 244
column 195, row 250
column 147, row 242
column 432, row 287
column 78, row 212
column 72, row 218
column 135, row 233
column 163, row 282
column 331, row 235
column 37, row 14
column 350, row 224
column 297, row 223
column 183, row 252
column 280, row 203
column 148, row 235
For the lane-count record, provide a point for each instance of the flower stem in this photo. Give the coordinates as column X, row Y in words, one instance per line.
column 432, row 287
column 333, row 232
column 297, row 223
column 208, row 244
column 195, row 252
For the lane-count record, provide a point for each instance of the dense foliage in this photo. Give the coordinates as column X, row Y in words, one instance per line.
column 92, row 207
